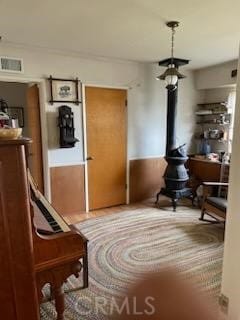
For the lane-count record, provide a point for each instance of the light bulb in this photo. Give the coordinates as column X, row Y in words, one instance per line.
column 171, row 80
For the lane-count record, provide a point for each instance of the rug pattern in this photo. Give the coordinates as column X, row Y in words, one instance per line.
column 126, row 245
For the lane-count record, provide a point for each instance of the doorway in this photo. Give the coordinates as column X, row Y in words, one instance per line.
column 106, row 132
column 23, row 104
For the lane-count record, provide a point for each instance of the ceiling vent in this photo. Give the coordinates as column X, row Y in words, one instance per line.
column 13, row 65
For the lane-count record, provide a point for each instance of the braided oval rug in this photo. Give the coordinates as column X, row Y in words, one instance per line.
column 123, row 246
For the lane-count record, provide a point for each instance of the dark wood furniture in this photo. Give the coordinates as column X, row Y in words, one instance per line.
column 18, row 294
column 37, row 246
column 58, row 248
column 214, row 205
column 205, row 170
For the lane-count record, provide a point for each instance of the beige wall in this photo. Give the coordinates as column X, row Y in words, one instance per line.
column 146, row 97
column 215, row 76
column 231, row 265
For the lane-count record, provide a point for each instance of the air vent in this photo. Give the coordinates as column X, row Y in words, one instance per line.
column 14, row 65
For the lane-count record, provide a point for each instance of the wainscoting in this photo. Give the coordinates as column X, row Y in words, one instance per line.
column 68, row 192
column 146, row 178
column 67, row 189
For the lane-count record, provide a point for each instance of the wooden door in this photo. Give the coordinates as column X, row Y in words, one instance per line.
column 34, row 132
column 106, row 145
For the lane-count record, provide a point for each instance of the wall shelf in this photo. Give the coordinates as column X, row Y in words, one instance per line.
column 212, row 122
column 213, row 116
column 222, row 103
column 213, row 139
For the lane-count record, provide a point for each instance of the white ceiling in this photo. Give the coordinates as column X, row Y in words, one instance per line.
column 127, row 29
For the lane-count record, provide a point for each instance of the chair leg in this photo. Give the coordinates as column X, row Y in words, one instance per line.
column 202, row 215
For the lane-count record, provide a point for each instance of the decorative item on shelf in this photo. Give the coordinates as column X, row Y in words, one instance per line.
column 66, row 125
column 215, row 134
column 9, row 129
column 64, row 90
column 3, row 105
column 16, row 115
column 4, row 119
column 210, row 134
column 204, row 147
column 212, row 156
column 8, row 133
column 175, row 175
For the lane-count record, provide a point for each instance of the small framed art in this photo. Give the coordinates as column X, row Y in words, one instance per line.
column 64, row 90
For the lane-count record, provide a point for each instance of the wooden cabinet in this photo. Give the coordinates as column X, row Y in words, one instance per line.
column 205, row 170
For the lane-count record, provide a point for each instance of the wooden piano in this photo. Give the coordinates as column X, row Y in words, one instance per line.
column 36, row 244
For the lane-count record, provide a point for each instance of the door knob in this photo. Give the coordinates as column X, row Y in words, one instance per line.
column 89, row 158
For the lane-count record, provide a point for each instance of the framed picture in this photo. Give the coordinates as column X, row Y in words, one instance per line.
column 17, row 113
column 64, row 90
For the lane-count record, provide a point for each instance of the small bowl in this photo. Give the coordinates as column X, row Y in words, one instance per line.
column 10, row 134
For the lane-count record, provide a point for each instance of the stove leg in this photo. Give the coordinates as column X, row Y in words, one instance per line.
column 174, row 204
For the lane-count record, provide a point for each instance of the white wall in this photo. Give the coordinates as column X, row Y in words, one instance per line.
column 146, row 96
column 231, row 262
column 218, row 94
column 216, row 76
column 40, row 64
column 151, row 121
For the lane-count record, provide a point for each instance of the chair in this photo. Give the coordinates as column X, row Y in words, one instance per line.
column 214, row 205
column 215, row 197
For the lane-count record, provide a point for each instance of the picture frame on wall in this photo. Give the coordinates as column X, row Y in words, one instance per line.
column 64, row 90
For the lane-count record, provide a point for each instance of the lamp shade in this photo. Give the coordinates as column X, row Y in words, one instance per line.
column 171, row 75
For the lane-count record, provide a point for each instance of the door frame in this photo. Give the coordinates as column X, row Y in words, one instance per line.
column 84, row 125
column 43, row 122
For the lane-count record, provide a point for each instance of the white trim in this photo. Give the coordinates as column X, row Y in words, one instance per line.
column 128, row 161
column 69, row 164
column 42, row 99
column 89, row 84
column 147, row 157
column 84, row 122
column 84, row 85
column 19, row 78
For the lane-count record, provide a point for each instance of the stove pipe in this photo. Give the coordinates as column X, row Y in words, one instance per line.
column 175, row 175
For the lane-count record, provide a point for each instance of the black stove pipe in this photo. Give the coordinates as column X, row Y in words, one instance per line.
column 171, row 120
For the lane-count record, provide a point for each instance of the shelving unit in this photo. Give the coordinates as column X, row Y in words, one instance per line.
column 213, row 119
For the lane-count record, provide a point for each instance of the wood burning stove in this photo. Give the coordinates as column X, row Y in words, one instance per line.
column 175, row 175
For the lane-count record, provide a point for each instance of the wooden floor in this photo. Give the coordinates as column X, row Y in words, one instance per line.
column 78, row 217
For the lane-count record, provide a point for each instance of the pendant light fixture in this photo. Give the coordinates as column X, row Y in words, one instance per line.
column 171, row 75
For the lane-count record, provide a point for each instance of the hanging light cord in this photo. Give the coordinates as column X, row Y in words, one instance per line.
column 172, row 47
